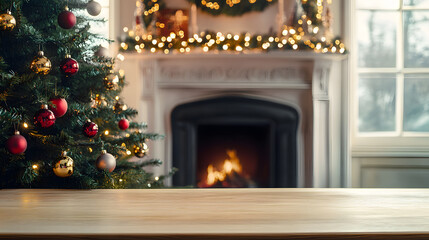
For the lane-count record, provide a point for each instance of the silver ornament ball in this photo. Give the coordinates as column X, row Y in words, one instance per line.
column 102, row 52
column 106, row 161
column 93, row 8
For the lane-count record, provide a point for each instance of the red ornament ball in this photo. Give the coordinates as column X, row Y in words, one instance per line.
column 69, row 66
column 66, row 19
column 106, row 161
column 90, row 129
column 123, row 124
column 16, row 144
column 58, row 106
column 44, row 117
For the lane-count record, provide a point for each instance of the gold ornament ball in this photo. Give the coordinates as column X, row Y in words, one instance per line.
column 98, row 101
column 141, row 151
column 64, row 167
column 7, row 21
column 120, row 106
column 41, row 64
column 111, row 81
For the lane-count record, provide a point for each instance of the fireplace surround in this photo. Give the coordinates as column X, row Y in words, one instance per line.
column 311, row 84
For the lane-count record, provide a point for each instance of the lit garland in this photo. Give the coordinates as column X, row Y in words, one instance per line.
column 231, row 7
column 289, row 39
column 306, row 35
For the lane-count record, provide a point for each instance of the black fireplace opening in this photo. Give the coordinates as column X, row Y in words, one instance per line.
column 233, row 156
column 235, row 141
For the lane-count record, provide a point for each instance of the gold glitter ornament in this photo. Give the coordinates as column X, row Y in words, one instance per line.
column 7, row 21
column 41, row 64
column 64, row 167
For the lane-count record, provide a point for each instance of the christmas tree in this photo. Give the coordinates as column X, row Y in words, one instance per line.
column 81, row 137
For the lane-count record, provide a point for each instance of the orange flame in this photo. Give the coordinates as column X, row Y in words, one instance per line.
column 232, row 163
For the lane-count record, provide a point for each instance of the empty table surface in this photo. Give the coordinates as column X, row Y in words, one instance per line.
column 215, row 214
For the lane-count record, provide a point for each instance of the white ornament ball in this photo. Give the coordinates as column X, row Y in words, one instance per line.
column 102, row 52
column 93, row 8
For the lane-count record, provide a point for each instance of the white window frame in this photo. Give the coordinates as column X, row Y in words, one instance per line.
column 398, row 142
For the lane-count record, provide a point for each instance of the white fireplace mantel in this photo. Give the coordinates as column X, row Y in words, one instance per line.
column 308, row 81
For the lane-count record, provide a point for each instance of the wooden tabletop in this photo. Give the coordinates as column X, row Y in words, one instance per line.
column 215, row 214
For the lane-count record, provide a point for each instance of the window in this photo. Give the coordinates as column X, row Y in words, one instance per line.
column 392, row 58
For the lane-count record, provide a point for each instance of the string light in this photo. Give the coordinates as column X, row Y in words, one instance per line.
column 301, row 37
column 106, row 132
column 35, row 167
column 25, row 125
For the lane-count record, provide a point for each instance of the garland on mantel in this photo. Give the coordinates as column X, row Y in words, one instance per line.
column 310, row 32
column 231, row 7
column 290, row 39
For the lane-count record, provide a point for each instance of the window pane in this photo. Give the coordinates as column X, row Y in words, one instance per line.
column 417, row 3
column 377, row 38
column 377, row 94
column 378, row 4
column 416, row 39
column 416, row 102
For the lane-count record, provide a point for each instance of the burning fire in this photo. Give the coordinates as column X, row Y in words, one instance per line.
column 231, row 164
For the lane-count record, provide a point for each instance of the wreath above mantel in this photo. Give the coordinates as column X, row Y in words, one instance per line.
column 231, row 7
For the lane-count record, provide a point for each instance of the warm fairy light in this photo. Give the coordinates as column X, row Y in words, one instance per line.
column 239, row 48
column 259, row 38
column 153, row 49
column 149, row 185
column 334, row 49
column 120, row 57
column 295, row 47
column 154, row 42
column 90, row 150
column 125, row 29
column 271, row 39
column 225, row 47
column 156, row 178
column 280, row 45
column 236, row 37
column 285, row 32
column 315, row 30
column 137, row 47
column 35, row 166
column 127, row 135
column 106, row 132
column 205, row 49
column 166, row 51
column 247, row 38
column 121, row 180
column 137, row 38
column 128, row 152
column 124, row 46
column 182, row 50
column 121, row 72
column 117, row 98
column 25, row 125
column 188, row 49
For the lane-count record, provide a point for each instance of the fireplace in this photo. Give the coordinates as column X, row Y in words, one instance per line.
column 171, row 89
column 235, row 141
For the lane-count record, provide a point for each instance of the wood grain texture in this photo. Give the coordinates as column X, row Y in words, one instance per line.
column 215, row 214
